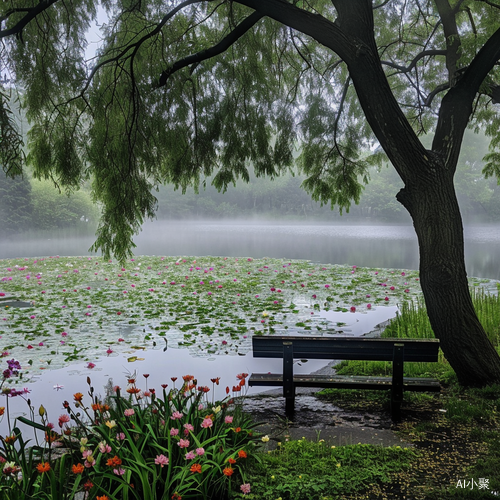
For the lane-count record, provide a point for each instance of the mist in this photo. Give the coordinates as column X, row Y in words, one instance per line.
column 364, row 244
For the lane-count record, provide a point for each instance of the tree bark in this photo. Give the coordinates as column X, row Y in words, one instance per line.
column 437, row 220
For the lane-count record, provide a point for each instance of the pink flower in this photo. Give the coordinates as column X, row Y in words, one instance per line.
column 64, row 334
column 90, row 365
column 190, row 455
column 174, row 431
column 161, row 460
column 63, row 419
column 353, row 309
column 188, row 427
column 120, row 436
column 176, row 415
column 129, row 412
column 368, row 306
column 200, row 451
column 228, row 419
column 207, row 422
column 183, row 443
column 119, row 471
column 245, row 488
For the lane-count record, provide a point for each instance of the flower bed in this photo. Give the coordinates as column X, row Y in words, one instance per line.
column 135, row 443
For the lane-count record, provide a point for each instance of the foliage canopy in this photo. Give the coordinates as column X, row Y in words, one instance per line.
column 181, row 91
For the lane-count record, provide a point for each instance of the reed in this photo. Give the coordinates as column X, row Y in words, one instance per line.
column 412, row 322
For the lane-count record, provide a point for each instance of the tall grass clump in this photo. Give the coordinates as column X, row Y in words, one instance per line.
column 412, row 322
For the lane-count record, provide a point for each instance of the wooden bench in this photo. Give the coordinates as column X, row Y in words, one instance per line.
column 370, row 349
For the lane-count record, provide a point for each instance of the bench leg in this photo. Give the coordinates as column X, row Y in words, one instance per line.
column 289, row 406
column 397, row 381
column 396, row 411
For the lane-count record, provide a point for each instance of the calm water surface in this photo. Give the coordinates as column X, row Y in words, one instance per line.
column 366, row 245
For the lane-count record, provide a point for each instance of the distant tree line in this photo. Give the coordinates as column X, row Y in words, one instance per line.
column 479, row 198
column 37, row 205
column 28, row 204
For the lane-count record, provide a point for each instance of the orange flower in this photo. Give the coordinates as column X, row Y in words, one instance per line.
column 238, row 429
column 176, row 496
column 114, row 462
column 78, row 397
column 228, row 471
column 51, row 436
column 242, row 454
column 43, row 467
column 2, row 410
column 103, row 497
column 195, row 468
column 231, row 460
column 77, row 469
column 133, row 390
column 10, row 439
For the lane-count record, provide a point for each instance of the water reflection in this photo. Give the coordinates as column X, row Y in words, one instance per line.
column 366, row 245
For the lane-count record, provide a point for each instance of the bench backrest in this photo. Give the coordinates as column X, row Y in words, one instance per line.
column 370, row 349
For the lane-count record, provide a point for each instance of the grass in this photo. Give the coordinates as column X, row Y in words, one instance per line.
column 454, row 437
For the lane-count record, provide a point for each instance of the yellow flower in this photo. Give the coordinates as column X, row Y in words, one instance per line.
column 84, row 441
column 338, row 465
column 216, row 409
column 333, row 447
column 111, row 424
column 41, row 411
column 272, row 477
column 265, row 438
column 265, row 314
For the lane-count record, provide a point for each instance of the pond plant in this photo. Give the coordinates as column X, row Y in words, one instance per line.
column 132, row 444
column 85, row 308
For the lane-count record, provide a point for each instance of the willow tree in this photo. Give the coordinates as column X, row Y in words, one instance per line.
column 182, row 91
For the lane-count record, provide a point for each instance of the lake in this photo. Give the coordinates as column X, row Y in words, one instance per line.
column 368, row 245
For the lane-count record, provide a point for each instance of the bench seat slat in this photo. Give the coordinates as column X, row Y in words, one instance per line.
column 415, row 384
column 367, row 349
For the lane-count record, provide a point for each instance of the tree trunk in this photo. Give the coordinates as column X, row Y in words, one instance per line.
column 436, row 217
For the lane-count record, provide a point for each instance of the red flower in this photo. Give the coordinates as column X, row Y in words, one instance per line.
column 228, row 471
column 195, row 468
column 242, row 454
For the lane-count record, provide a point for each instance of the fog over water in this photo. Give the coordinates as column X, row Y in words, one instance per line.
column 368, row 245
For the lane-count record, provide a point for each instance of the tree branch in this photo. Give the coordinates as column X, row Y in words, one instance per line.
column 222, row 46
column 435, row 92
column 33, row 12
column 424, row 53
column 456, row 106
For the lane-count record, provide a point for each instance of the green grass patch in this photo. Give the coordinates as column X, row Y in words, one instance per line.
column 301, row 470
